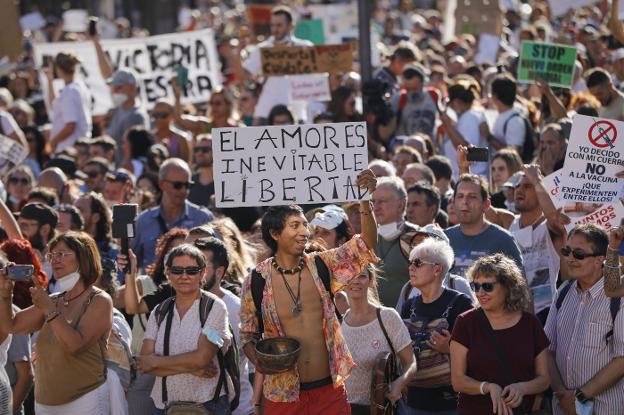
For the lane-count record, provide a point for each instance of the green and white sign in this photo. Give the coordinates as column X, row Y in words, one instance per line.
column 546, row 62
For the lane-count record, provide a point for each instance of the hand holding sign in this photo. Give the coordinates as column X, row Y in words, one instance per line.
column 616, row 237
column 367, row 180
column 532, row 173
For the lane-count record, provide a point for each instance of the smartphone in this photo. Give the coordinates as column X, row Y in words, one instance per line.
column 123, row 227
column 20, row 272
column 181, row 75
column 478, row 154
column 93, row 26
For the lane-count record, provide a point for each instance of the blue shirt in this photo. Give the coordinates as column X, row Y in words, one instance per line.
column 492, row 240
column 149, row 229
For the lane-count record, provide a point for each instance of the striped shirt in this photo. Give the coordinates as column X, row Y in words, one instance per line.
column 577, row 333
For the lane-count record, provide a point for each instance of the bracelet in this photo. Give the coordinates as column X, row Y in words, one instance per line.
column 51, row 316
column 481, row 388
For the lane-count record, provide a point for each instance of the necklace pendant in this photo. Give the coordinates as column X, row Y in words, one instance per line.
column 65, row 302
column 297, row 309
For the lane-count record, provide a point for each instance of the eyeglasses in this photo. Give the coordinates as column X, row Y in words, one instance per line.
column 488, row 287
column 158, row 115
column 179, row 185
column 19, row 180
column 202, row 149
column 190, row 271
column 57, row 256
column 92, row 173
column 576, row 253
column 417, row 262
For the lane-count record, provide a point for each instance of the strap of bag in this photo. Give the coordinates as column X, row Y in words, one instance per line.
column 257, row 292
column 497, row 347
column 84, row 306
column 383, row 328
column 166, row 352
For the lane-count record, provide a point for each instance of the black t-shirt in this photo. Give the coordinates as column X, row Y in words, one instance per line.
column 200, row 193
column 163, row 292
column 434, row 316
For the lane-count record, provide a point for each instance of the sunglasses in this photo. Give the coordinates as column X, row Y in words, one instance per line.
column 118, row 177
column 92, row 174
column 203, row 149
column 179, row 185
column 577, row 254
column 160, row 114
column 488, row 287
column 19, row 180
column 417, row 262
column 190, row 271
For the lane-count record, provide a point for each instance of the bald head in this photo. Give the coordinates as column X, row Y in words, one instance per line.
column 53, row 178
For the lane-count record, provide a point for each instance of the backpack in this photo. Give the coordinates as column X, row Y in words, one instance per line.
column 614, row 305
column 228, row 362
column 528, row 146
column 257, row 289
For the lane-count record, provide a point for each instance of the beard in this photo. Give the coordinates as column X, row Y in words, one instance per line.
column 209, row 283
column 37, row 242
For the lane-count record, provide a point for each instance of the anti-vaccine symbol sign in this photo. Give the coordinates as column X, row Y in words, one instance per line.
column 593, row 157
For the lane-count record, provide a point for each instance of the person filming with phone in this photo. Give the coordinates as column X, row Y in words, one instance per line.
column 73, row 325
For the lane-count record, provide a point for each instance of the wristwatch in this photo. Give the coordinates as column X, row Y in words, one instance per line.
column 580, row 396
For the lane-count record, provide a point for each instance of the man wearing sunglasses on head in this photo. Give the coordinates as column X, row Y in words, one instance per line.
column 174, row 180
column 540, row 234
column 586, row 332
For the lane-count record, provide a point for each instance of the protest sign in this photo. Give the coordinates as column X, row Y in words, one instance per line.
column 259, row 17
column 552, row 184
column 607, row 216
column 295, row 60
column 310, row 29
column 478, row 16
column 311, row 87
column 153, row 58
column 593, row 157
column 11, row 37
column 11, row 154
column 548, row 62
column 313, row 163
column 338, row 19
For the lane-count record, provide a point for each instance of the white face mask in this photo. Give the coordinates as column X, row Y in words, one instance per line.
column 388, row 230
column 119, row 99
column 68, row 281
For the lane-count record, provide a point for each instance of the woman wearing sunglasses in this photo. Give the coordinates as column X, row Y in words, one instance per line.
column 499, row 349
column 191, row 347
column 429, row 318
column 366, row 337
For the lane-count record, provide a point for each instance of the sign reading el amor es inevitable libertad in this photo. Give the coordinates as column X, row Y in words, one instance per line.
column 315, row 163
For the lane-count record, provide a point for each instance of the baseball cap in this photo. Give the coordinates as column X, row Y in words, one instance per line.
column 68, row 165
column 435, row 231
column 123, row 77
column 43, row 214
column 514, row 180
column 120, row 175
column 411, row 69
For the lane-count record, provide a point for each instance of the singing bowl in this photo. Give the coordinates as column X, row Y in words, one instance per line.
column 277, row 354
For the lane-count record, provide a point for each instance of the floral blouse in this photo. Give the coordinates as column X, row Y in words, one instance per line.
column 345, row 263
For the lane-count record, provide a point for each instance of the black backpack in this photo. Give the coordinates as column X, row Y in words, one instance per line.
column 228, row 362
column 614, row 305
column 257, row 289
column 528, row 147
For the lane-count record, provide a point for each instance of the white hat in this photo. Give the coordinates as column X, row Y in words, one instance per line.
column 436, row 232
column 328, row 219
column 617, row 55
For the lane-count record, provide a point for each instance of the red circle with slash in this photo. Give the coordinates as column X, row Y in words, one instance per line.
column 600, row 133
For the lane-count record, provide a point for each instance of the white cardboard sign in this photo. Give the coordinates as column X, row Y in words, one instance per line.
column 276, row 165
column 309, row 87
column 607, row 216
column 594, row 155
column 154, row 59
column 11, row 154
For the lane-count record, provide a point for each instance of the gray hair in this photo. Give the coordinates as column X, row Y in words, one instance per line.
column 395, row 183
column 435, row 250
column 173, row 163
column 186, row 250
column 386, row 166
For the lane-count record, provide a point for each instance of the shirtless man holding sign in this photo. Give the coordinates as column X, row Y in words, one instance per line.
column 295, row 303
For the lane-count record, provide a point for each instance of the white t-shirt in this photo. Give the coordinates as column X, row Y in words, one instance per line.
column 365, row 343
column 540, row 261
column 245, row 404
column 73, row 104
column 468, row 125
column 514, row 134
column 8, row 123
column 184, row 336
column 276, row 89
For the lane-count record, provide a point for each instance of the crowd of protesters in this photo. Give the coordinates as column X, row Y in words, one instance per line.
column 463, row 270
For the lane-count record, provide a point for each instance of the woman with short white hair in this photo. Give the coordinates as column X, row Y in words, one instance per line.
column 429, row 318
